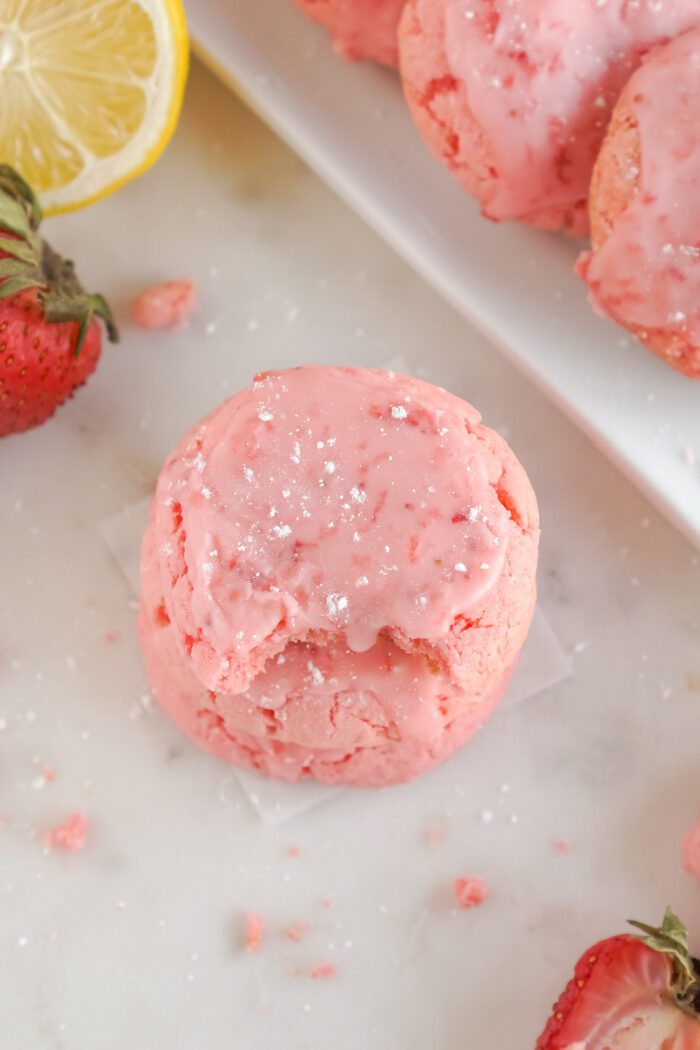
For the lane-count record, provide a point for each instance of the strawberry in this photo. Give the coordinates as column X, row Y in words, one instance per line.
column 50, row 340
column 631, row 993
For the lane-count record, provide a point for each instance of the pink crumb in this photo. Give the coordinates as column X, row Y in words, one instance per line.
column 109, row 637
column 71, row 835
column 562, row 846
column 48, row 774
column 434, row 835
column 691, row 851
column 470, row 892
column 295, row 932
column 323, row 970
column 254, row 929
column 164, row 305
column 294, row 851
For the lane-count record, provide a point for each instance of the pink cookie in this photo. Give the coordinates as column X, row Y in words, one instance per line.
column 337, row 576
column 359, row 28
column 644, row 271
column 515, row 95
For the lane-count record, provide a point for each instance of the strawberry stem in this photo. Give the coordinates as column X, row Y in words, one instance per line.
column 671, row 939
column 31, row 262
column 12, row 185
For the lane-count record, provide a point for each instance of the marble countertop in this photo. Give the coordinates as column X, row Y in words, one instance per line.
column 136, row 940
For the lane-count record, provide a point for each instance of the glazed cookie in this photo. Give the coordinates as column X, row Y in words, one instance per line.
column 514, row 96
column 644, row 270
column 359, row 28
column 337, row 576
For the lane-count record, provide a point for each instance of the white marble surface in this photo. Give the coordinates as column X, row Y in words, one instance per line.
column 135, row 941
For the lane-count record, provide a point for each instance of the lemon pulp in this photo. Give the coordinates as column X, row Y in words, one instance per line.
column 90, row 91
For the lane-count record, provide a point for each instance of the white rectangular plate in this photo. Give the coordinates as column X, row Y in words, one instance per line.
column 516, row 285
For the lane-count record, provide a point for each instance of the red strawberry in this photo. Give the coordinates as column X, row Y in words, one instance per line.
column 631, row 993
column 50, row 341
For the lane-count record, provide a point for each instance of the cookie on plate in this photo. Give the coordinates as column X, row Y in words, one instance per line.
column 644, row 270
column 514, row 96
column 359, row 28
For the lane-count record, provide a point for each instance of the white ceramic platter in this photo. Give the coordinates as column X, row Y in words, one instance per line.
column 516, row 285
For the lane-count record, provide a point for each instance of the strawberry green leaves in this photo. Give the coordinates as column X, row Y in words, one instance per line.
column 30, row 262
column 671, row 939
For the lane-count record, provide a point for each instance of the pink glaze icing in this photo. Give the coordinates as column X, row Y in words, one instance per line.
column 326, row 502
column 359, row 28
column 647, row 272
column 337, row 575
column 530, row 85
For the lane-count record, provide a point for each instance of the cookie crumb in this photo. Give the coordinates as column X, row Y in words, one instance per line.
column 254, row 929
column 71, row 835
column 164, row 305
column 691, row 851
column 295, row 932
column 323, row 970
column 434, row 835
column 469, row 892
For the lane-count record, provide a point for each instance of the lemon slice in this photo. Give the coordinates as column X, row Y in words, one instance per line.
column 90, row 92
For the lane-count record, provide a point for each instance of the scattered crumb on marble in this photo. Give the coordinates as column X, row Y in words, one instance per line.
column 323, row 970
column 110, row 637
column 327, row 902
column 70, row 836
column 435, row 834
column 294, row 851
column 691, row 851
column 562, row 846
column 469, row 892
column 254, row 929
column 486, row 816
column 164, row 305
column 295, row 932
column 42, row 779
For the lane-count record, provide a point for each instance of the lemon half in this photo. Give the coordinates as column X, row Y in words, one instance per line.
column 90, row 92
